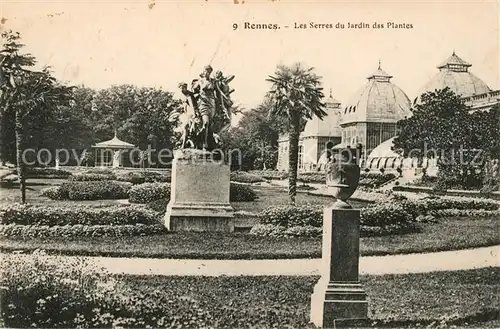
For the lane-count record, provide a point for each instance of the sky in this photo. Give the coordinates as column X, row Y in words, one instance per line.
column 165, row 42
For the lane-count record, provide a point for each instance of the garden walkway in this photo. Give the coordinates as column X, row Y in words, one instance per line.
column 374, row 265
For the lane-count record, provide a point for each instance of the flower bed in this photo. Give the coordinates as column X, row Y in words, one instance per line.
column 88, row 190
column 77, row 231
column 40, row 215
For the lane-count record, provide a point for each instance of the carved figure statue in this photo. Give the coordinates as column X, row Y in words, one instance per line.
column 208, row 96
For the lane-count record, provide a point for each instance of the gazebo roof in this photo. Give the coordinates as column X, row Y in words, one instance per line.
column 114, row 143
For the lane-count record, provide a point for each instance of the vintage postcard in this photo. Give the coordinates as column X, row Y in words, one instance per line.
column 249, row 164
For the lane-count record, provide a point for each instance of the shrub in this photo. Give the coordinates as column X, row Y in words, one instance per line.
column 41, row 292
column 148, row 192
column 388, row 217
column 291, row 215
column 139, row 177
column 312, row 177
column 104, row 171
column 24, row 214
column 86, row 177
column 158, row 205
column 245, row 177
column 152, row 192
column 32, row 172
column 240, row 192
column 449, row 202
column 270, row 174
column 72, row 231
column 95, row 190
column 54, row 193
column 384, row 214
column 88, row 190
column 373, row 179
column 471, row 213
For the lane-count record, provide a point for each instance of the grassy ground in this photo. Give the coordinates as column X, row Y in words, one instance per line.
column 448, row 234
column 442, row 299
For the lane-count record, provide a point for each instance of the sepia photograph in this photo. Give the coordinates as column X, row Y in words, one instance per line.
column 249, row 164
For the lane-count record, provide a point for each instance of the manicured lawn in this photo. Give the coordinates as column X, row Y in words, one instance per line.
column 448, row 234
column 463, row 298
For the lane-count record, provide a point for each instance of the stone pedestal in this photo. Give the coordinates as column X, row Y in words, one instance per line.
column 339, row 299
column 199, row 198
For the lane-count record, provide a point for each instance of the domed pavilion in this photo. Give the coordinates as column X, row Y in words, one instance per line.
column 370, row 117
column 454, row 74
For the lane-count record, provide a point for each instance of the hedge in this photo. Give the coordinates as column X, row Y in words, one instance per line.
column 313, row 177
column 86, row 177
column 40, row 215
column 270, row 174
column 91, row 190
column 44, row 231
column 149, row 192
column 241, row 193
column 140, row 177
column 32, row 172
column 245, row 177
column 371, row 179
column 390, row 217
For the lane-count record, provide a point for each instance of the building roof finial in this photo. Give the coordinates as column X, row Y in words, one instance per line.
column 331, row 93
column 116, row 136
column 379, row 64
column 454, row 52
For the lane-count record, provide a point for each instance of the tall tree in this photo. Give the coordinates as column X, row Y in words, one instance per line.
column 297, row 94
column 442, row 126
column 26, row 92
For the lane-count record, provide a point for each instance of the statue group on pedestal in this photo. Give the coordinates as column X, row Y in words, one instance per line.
column 207, row 99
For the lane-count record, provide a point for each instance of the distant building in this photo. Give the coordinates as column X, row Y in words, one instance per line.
column 454, row 74
column 113, row 153
column 370, row 117
column 317, row 137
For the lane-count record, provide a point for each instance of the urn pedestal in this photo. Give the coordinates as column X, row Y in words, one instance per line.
column 339, row 299
column 199, row 199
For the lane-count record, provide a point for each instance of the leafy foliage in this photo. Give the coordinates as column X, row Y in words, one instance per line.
column 89, row 190
column 40, row 215
column 442, row 126
column 149, row 192
column 296, row 94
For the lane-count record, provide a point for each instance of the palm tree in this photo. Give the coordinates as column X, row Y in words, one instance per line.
column 296, row 93
column 24, row 92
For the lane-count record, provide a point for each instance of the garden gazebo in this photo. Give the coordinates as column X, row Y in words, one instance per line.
column 111, row 153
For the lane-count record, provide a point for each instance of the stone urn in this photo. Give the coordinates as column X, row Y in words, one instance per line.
column 342, row 174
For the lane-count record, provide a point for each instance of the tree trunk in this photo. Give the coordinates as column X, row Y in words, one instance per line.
column 19, row 154
column 293, row 154
column 3, row 131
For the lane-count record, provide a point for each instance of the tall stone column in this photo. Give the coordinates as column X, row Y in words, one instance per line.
column 338, row 298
